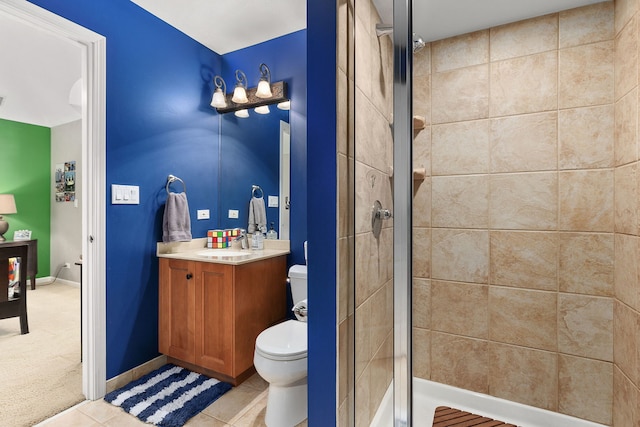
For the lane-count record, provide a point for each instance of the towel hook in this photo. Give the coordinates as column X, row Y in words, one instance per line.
column 254, row 191
column 172, row 178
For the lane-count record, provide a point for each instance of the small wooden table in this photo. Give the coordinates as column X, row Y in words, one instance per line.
column 32, row 264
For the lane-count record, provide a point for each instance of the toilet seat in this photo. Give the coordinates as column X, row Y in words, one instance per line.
column 284, row 341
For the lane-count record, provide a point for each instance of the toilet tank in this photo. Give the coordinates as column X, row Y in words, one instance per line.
column 298, row 281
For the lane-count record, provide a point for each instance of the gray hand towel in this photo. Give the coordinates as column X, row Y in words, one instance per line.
column 257, row 215
column 176, row 224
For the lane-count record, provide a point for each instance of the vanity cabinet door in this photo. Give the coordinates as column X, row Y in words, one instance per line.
column 177, row 296
column 214, row 315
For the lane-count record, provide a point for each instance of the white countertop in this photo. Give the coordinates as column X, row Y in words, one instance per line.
column 193, row 251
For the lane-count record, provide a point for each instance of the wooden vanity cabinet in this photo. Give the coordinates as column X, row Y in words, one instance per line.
column 211, row 314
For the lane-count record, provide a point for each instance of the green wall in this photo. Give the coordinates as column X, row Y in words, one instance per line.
column 25, row 171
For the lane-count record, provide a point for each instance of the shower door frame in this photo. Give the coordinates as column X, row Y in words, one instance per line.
column 403, row 207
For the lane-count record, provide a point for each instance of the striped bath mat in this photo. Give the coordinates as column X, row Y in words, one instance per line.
column 168, row 396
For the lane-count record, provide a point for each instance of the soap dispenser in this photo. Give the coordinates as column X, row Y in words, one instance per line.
column 257, row 242
column 272, row 234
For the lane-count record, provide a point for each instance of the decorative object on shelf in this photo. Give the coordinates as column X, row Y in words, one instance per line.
column 219, row 99
column 240, row 91
column 22, row 235
column 7, row 207
column 264, row 85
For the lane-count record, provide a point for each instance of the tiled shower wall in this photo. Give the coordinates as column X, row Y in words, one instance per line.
column 364, row 164
column 626, row 345
column 514, row 225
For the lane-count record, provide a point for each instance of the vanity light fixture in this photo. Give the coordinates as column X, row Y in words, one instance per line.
column 264, row 85
column 263, row 109
column 243, row 114
column 240, row 91
column 219, row 99
column 284, row 105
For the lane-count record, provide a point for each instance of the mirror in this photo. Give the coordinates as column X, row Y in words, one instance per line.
column 254, row 151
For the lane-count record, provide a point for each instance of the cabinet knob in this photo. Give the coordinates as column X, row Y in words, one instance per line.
column 189, row 276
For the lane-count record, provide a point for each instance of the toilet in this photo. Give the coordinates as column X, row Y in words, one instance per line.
column 281, row 359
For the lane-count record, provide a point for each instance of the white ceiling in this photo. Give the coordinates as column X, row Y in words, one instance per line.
column 37, row 70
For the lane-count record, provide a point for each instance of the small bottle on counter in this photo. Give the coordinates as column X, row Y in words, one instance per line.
column 257, row 242
column 272, row 234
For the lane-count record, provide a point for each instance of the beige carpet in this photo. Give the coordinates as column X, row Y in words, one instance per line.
column 41, row 372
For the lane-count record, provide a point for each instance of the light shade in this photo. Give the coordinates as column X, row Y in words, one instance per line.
column 219, row 99
column 264, row 85
column 284, row 105
column 7, row 204
column 263, row 109
column 240, row 91
column 243, row 114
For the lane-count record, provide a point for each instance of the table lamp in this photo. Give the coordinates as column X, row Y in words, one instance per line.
column 7, row 206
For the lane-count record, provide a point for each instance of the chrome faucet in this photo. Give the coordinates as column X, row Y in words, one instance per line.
column 243, row 239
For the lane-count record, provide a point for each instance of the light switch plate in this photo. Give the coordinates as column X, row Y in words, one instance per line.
column 203, row 213
column 125, row 194
column 273, row 201
column 233, row 213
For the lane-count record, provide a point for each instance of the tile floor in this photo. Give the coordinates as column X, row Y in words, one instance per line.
column 243, row 406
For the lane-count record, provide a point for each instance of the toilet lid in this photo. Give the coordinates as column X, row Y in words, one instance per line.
column 287, row 340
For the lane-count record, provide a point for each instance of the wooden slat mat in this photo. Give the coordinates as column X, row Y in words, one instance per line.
column 449, row 417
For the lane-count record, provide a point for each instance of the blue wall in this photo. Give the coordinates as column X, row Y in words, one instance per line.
column 159, row 122
column 322, row 177
column 287, row 60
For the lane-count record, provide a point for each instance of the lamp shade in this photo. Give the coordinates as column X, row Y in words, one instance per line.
column 263, row 109
column 239, row 95
column 264, row 89
column 242, row 114
column 218, row 99
column 7, row 204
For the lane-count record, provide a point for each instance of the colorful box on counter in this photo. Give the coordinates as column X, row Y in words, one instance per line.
column 220, row 239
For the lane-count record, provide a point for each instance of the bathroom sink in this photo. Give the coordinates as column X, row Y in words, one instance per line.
column 219, row 253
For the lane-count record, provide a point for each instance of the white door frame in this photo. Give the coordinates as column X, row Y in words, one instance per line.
column 93, row 47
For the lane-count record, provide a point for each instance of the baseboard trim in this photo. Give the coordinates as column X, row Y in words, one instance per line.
column 135, row 373
column 47, row 280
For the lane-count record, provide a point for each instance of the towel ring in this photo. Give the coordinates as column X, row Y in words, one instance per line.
column 254, row 192
column 172, row 178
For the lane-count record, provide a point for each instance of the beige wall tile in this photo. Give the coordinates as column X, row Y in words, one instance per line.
column 422, row 150
column 460, row 255
column 344, row 205
column 460, row 362
column 524, row 259
column 370, row 185
column 626, row 269
column 422, row 203
column 534, row 382
column 422, row 252
column 461, row 51
column 461, row 94
column 459, row 308
column 382, row 74
column 586, row 200
column 373, row 134
column 626, row 59
column 626, row 129
column 585, row 75
column 422, row 96
column 585, row 137
column 381, row 374
column 527, row 84
column 381, row 320
column 460, row 201
column 587, row 24
column 524, row 143
column 524, row 37
column 421, row 303
column 461, row 148
column 625, row 344
column 362, row 348
column 421, row 352
column 586, row 263
column 585, row 326
column 422, row 61
column 524, row 201
column 624, row 11
column 523, row 317
column 362, row 74
column 346, row 280
column 626, row 200
column 626, row 404
column 585, row 388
